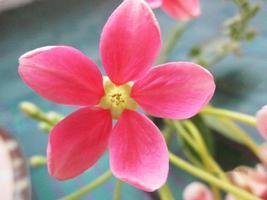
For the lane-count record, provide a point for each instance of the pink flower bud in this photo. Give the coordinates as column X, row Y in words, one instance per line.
column 197, row 191
column 252, row 180
column 261, row 118
column 263, row 154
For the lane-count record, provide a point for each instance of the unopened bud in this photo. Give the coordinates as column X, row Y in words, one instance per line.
column 38, row 161
column 54, row 116
column 44, row 126
column 29, row 108
column 197, row 191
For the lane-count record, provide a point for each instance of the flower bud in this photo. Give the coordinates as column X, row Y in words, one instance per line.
column 251, row 180
column 261, row 119
column 54, row 116
column 197, row 191
column 29, row 108
column 263, row 154
column 37, row 161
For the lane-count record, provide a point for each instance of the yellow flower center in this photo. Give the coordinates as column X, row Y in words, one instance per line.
column 117, row 98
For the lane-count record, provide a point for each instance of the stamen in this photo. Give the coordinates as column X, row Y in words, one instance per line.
column 117, row 98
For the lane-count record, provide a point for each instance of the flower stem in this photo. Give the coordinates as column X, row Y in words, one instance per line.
column 167, row 131
column 165, row 193
column 218, row 112
column 175, row 160
column 231, row 115
column 245, row 138
column 84, row 190
column 171, row 42
column 181, row 132
column 117, row 191
column 206, row 157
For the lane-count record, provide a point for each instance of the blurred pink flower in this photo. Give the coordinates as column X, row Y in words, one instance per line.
column 261, row 119
column 252, row 180
column 197, row 191
column 178, row 9
column 129, row 44
column 263, row 154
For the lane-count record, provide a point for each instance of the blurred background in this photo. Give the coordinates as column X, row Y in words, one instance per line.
column 28, row 24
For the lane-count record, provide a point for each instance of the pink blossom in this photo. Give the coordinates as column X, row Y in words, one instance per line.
column 263, row 153
column 252, row 180
column 261, row 119
column 261, row 124
column 178, row 9
column 129, row 44
column 197, row 191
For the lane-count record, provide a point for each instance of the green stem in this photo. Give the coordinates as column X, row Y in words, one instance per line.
column 194, row 139
column 245, row 138
column 165, row 193
column 219, row 112
column 195, row 171
column 171, row 42
column 182, row 133
column 216, row 193
column 117, row 191
column 84, row 190
column 167, row 131
column 206, row 157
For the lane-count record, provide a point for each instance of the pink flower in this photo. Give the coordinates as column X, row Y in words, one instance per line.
column 178, row 9
column 197, row 191
column 129, row 44
column 252, row 180
column 263, row 153
column 261, row 124
column 261, row 119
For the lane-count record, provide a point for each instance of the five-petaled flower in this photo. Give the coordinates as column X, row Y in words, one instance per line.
column 178, row 9
column 129, row 44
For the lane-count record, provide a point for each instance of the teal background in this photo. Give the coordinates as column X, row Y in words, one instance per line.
column 241, row 83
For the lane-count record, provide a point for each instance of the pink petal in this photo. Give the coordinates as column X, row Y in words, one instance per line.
column 130, row 41
column 197, row 191
column 182, row 9
column 62, row 74
column 77, row 142
column 261, row 119
column 154, row 3
column 138, row 152
column 174, row 90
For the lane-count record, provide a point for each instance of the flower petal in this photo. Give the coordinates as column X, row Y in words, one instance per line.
column 77, row 142
column 174, row 90
column 138, row 152
column 130, row 41
column 182, row 9
column 62, row 74
column 261, row 119
column 154, row 3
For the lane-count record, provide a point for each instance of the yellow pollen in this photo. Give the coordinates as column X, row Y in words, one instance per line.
column 117, row 98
